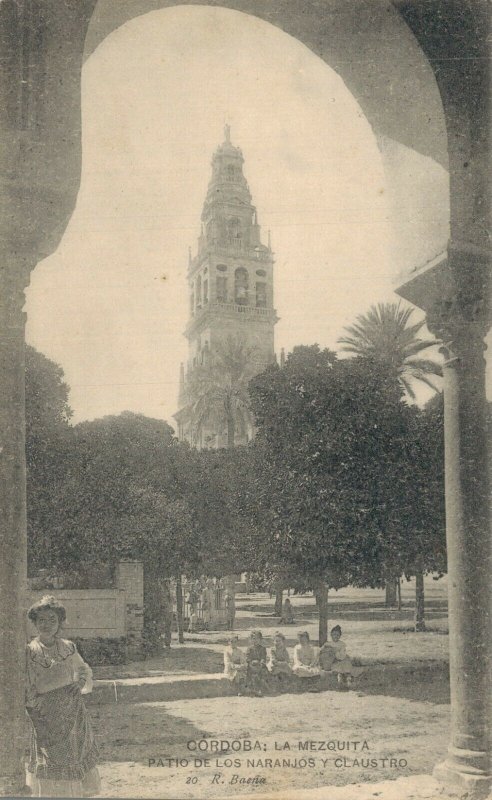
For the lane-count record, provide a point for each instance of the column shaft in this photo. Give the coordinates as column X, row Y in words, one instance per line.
column 12, row 529
column 469, row 562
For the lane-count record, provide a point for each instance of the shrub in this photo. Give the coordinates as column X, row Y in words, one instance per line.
column 99, row 651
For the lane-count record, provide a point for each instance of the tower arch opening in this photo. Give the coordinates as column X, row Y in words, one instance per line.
column 241, row 286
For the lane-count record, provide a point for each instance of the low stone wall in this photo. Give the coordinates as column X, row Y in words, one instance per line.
column 91, row 613
column 103, row 614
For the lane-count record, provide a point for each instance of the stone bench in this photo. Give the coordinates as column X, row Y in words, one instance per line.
column 162, row 688
column 182, row 687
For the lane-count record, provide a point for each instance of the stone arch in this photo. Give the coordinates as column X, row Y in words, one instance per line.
column 370, row 46
column 397, row 105
column 419, row 72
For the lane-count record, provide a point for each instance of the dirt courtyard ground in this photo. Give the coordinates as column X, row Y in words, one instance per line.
column 394, row 724
column 141, row 743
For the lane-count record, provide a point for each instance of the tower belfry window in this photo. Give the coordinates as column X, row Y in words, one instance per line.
column 234, row 228
column 241, row 285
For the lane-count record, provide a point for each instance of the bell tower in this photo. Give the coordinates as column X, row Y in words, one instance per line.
column 230, row 281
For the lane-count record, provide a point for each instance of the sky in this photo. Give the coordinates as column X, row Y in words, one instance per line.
column 110, row 305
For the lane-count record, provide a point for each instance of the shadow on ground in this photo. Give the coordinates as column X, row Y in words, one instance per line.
column 141, row 731
column 427, row 683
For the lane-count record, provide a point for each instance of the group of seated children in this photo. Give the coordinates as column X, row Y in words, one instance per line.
column 253, row 672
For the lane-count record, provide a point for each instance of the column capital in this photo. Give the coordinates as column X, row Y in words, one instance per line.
column 461, row 316
column 461, row 325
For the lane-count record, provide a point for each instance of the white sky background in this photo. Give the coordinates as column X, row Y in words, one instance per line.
column 111, row 304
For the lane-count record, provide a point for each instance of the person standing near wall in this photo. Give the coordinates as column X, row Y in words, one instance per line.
column 63, row 750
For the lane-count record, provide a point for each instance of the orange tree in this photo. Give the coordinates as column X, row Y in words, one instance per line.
column 334, row 475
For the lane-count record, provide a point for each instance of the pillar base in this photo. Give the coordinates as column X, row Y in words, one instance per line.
column 466, row 772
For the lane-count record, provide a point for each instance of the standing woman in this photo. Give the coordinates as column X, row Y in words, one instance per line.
column 206, row 612
column 63, row 750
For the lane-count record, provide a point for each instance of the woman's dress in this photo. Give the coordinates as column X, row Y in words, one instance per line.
column 333, row 658
column 206, row 612
column 327, row 657
column 234, row 663
column 279, row 661
column 63, row 750
column 257, row 673
column 342, row 663
column 305, row 661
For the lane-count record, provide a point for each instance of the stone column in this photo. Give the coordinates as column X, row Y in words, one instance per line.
column 461, row 324
column 13, row 271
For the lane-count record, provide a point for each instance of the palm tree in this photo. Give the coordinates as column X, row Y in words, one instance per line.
column 219, row 388
column 384, row 335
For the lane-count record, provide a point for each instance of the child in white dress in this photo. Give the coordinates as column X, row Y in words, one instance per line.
column 341, row 664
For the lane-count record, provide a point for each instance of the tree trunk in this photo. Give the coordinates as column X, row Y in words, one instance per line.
column 390, row 593
column 279, row 596
column 168, row 614
column 179, row 608
column 419, row 602
column 231, row 430
column 153, row 608
column 321, row 595
column 399, row 594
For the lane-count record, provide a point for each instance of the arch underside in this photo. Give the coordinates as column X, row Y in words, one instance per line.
column 368, row 44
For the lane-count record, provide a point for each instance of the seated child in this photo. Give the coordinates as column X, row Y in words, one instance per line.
column 326, row 657
column 341, row 663
column 235, row 667
column 279, row 664
column 305, row 658
column 256, row 658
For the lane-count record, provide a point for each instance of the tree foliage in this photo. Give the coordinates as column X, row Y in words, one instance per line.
column 341, row 466
column 47, row 432
column 119, row 487
column 47, row 407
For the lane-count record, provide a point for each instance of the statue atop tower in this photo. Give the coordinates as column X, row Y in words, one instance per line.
column 230, row 283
